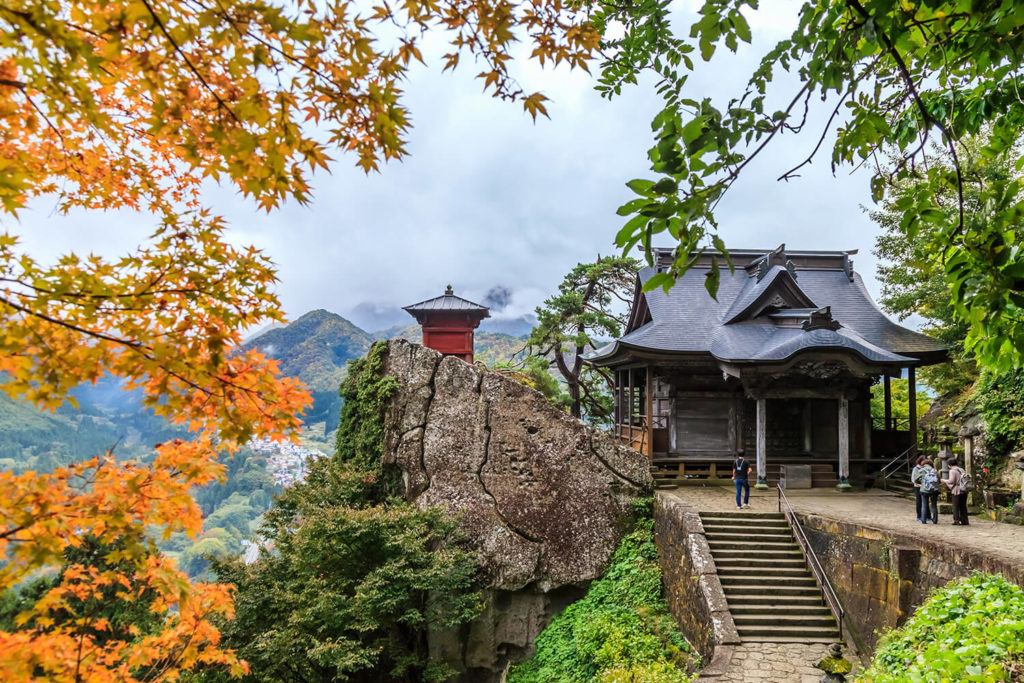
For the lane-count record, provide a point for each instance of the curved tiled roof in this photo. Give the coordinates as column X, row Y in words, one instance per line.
column 687, row 320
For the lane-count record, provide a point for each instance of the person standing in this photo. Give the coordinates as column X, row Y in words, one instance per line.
column 955, row 485
column 928, row 483
column 918, row 497
column 740, row 475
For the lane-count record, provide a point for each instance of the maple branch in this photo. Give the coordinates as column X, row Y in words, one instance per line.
column 177, row 48
column 21, row 85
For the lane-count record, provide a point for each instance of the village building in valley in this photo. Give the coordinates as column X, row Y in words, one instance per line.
column 780, row 365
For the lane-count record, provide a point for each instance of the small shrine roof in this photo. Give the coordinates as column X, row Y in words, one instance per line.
column 448, row 302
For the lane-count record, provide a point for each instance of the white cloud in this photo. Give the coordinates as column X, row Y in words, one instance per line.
column 487, row 197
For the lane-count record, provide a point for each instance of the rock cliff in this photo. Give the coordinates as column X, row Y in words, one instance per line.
column 542, row 496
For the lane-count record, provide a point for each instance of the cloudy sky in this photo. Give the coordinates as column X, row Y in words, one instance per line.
column 487, row 198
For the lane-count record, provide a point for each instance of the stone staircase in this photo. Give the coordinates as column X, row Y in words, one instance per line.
column 771, row 593
column 899, row 482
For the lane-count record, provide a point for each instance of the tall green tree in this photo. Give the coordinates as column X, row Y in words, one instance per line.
column 591, row 305
column 351, row 577
column 895, row 76
column 912, row 272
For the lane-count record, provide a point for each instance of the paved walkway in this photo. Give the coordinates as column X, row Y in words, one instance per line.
column 878, row 509
column 773, row 663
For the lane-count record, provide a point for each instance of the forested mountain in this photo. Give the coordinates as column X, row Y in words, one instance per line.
column 314, row 348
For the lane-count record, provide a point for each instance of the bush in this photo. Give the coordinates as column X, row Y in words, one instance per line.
column 620, row 632
column 971, row 630
column 1001, row 400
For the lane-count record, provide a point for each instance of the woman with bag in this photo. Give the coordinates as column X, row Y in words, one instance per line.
column 958, row 484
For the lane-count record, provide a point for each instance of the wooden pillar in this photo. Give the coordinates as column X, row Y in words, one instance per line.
column 844, row 443
column 618, row 399
column 808, row 426
column 888, row 402
column 867, row 429
column 912, row 395
column 629, row 399
column 649, row 390
column 762, row 444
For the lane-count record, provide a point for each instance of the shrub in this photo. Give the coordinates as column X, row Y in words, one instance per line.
column 620, row 632
column 971, row 630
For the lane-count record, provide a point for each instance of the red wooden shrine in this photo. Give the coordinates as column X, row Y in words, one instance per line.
column 448, row 322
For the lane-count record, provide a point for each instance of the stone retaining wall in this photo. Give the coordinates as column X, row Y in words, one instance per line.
column 881, row 577
column 691, row 584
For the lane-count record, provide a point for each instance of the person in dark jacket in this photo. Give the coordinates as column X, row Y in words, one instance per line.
column 740, row 475
column 918, row 495
column 927, row 482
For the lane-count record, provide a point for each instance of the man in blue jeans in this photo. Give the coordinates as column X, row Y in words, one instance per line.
column 740, row 472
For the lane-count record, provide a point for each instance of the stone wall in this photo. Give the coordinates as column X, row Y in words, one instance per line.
column 692, row 588
column 544, row 498
column 882, row 577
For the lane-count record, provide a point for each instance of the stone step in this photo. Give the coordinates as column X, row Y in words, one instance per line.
column 747, row 517
column 760, row 538
column 760, row 556
column 761, row 589
column 737, row 525
column 764, row 564
column 750, row 545
column 755, row 531
column 816, row 621
column 763, row 607
column 825, row 639
column 774, row 572
column 791, row 599
column 729, row 580
column 767, row 633
column 744, row 513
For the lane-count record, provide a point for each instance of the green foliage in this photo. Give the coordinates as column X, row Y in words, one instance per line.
column 591, row 304
column 896, row 76
column 971, row 630
column 352, row 583
column 620, row 631
column 899, row 395
column 1000, row 398
column 367, row 395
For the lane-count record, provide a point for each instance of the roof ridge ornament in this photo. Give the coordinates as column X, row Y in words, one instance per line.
column 449, row 291
column 791, row 268
column 821, row 319
column 775, row 257
column 848, row 266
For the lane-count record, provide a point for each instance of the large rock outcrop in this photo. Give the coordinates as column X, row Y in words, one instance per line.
column 544, row 498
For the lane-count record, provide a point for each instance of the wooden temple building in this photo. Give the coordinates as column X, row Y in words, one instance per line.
column 780, row 365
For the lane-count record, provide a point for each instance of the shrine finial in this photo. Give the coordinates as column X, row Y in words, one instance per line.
column 449, row 291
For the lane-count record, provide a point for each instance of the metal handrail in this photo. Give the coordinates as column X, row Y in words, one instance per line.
column 890, row 467
column 812, row 560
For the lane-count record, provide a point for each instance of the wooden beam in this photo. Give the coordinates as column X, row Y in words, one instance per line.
column 912, row 395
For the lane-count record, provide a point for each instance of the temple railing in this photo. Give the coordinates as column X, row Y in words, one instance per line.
column 831, row 599
column 633, row 436
column 901, row 463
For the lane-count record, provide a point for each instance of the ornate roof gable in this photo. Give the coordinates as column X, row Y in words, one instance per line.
column 775, row 290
